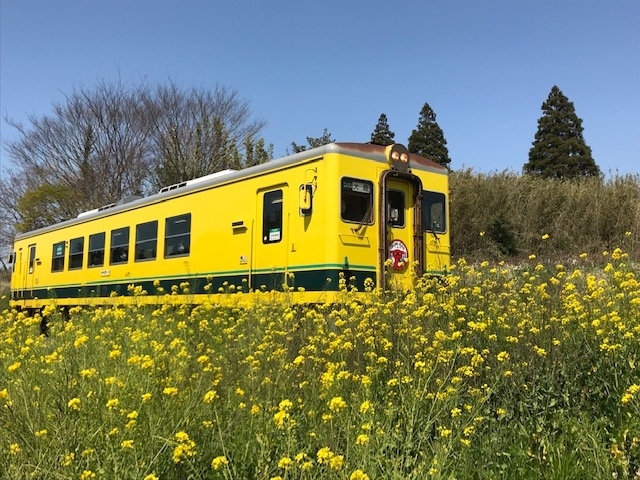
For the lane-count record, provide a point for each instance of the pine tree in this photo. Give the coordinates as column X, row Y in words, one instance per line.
column 381, row 134
column 428, row 139
column 559, row 150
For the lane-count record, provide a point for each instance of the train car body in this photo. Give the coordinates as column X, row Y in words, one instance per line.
column 297, row 224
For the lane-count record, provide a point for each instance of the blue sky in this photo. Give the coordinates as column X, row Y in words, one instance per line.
column 485, row 67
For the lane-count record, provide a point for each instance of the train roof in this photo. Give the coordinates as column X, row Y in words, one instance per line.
column 363, row 150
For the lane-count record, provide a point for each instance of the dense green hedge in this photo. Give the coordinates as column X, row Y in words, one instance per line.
column 506, row 214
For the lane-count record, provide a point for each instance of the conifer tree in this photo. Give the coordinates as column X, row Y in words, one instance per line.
column 428, row 139
column 559, row 149
column 313, row 142
column 381, row 134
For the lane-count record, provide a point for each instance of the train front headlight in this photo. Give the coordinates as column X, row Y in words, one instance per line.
column 398, row 157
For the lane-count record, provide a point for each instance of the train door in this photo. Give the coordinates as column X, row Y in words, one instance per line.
column 270, row 259
column 401, row 242
column 28, row 272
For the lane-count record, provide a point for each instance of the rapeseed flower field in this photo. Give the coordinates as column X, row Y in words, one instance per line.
column 494, row 372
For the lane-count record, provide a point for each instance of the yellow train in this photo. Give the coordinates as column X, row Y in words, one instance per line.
column 297, row 224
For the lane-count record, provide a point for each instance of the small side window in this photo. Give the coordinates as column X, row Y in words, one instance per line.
column 96, row 250
column 57, row 258
column 76, row 253
column 434, row 218
column 272, row 217
column 177, row 237
column 356, row 201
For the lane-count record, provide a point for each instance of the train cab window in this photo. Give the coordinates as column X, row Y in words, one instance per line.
column 96, row 250
column 434, row 217
column 272, row 217
column 177, row 237
column 57, row 258
column 356, row 201
column 146, row 240
column 395, row 208
column 119, row 246
column 76, row 253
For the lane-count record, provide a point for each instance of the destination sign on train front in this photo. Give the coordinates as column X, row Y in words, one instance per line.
column 360, row 187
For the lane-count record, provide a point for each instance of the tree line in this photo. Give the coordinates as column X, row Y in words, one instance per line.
column 114, row 141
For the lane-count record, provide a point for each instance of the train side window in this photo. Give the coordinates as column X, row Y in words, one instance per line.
column 395, row 208
column 434, row 217
column 32, row 257
column 96, row 250
column 356, row 201
column 272, row 217
column 76, row 253
column 146, row 241
column 57, row 259
column 119, row 245
column 177, row 237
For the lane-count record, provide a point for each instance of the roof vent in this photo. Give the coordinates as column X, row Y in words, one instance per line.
column 195, row 181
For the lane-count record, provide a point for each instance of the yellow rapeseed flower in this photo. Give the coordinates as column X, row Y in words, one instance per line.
column 68, row 459
column 336, row 404
column 324, row 455
column 359, row 474
column 219, row 462
column 630, row 393
column 366, row 407
column 336, row 462
column 210, row 396
column 186, row 447
column 74, row 404
column 13, row 367
column 279, row 418
column 88, row 372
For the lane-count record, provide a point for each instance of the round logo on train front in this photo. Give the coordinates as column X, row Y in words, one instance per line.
column 398, row 254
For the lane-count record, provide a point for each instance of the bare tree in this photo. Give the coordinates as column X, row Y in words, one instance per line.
column 94, row 146
column 101, row 145
column 12, row 188
column 197, row 132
